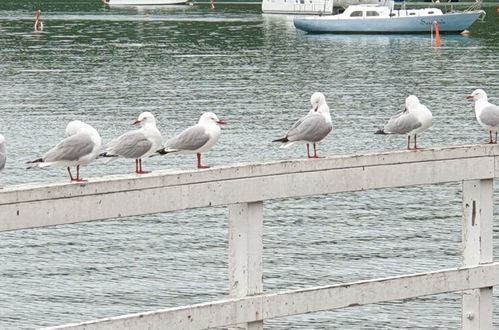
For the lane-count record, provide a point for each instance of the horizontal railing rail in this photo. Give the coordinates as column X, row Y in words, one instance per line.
column 39, row 204
column 266, row 306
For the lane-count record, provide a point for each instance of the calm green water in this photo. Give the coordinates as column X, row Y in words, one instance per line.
column 106, row 65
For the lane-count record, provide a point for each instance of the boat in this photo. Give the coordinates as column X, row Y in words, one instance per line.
column 386, row 19
column 143, row 2
column 306, row 7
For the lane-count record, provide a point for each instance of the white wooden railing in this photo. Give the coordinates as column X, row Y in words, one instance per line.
column 243, row 188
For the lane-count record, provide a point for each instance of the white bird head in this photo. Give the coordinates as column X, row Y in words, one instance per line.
column 317, row 99
column 411, row 102
column 145, row 118
column 77, row 126
column 477, row 95
column 210, row 117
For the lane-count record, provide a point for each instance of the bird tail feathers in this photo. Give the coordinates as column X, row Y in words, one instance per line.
column 286, row 144
column 110, row 156
column 283, row 140
column 36, row 163
column 162, row 151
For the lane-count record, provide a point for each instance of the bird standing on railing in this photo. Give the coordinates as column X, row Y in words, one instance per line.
column 415, row 119
column 81, row 146
column 196, row 139
column 312, row 128
column 487, row 114
column 38, row 24
column 136, row 144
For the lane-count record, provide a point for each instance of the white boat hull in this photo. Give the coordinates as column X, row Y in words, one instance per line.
column 452, row 22
column 143, row 2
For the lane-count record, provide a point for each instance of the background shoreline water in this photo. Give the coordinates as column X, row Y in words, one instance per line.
column 256, row 72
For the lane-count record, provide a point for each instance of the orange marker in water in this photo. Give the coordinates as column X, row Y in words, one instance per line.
column 437, row 34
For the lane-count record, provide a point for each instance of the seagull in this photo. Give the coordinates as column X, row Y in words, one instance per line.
column 38, row 24
column 196, row 139
column 80, row 147
column 486, row 113
column 311, row 128
column 3, row 155
column 415, row 119
column 136, row 144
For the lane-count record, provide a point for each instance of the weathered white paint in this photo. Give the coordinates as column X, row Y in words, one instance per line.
column 246, row 253
column 265, row 306
column 243, row 188
column 37, row 205
column 477, row 249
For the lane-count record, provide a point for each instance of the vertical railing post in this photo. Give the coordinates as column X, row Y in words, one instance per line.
column 246, row 253
column 477, row 249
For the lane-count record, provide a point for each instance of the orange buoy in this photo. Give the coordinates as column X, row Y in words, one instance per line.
column 437, row 34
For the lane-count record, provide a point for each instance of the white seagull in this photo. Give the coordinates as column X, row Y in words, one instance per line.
column 415, row 119
column 3, row 155
column 196, row 139
column 137, row 144
column 487, row 114
column 80, row 147
column 312, row 128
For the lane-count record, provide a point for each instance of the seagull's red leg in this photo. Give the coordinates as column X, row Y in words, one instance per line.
column 140, row 171
column 78, row 179
column 495, row 141
column 70, row 175
column 199, row 161
column 308, row 151
column 409, row 142
column 315, row 152
column 490, row 139
column 415, row 144
column 136, row 166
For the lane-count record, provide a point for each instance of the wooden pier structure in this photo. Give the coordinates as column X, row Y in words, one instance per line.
column 243, row 189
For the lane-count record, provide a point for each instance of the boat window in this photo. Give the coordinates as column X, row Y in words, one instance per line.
column 357, row 13
column 412, row 14
column 372, row 13
column 431, row 12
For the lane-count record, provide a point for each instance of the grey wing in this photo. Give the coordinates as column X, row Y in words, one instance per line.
column 402, row 123
column 311, row 128
column 490, row 115
column 192, row 138
column 297, row 123
column 132, row 144
column 71, row 148
column 3, row 156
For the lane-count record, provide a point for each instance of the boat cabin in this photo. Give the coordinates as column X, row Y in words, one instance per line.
column 367, row 11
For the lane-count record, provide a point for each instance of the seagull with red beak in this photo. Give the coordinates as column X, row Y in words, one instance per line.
column 487, row 114
column 196, row 139
column 138, row 143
